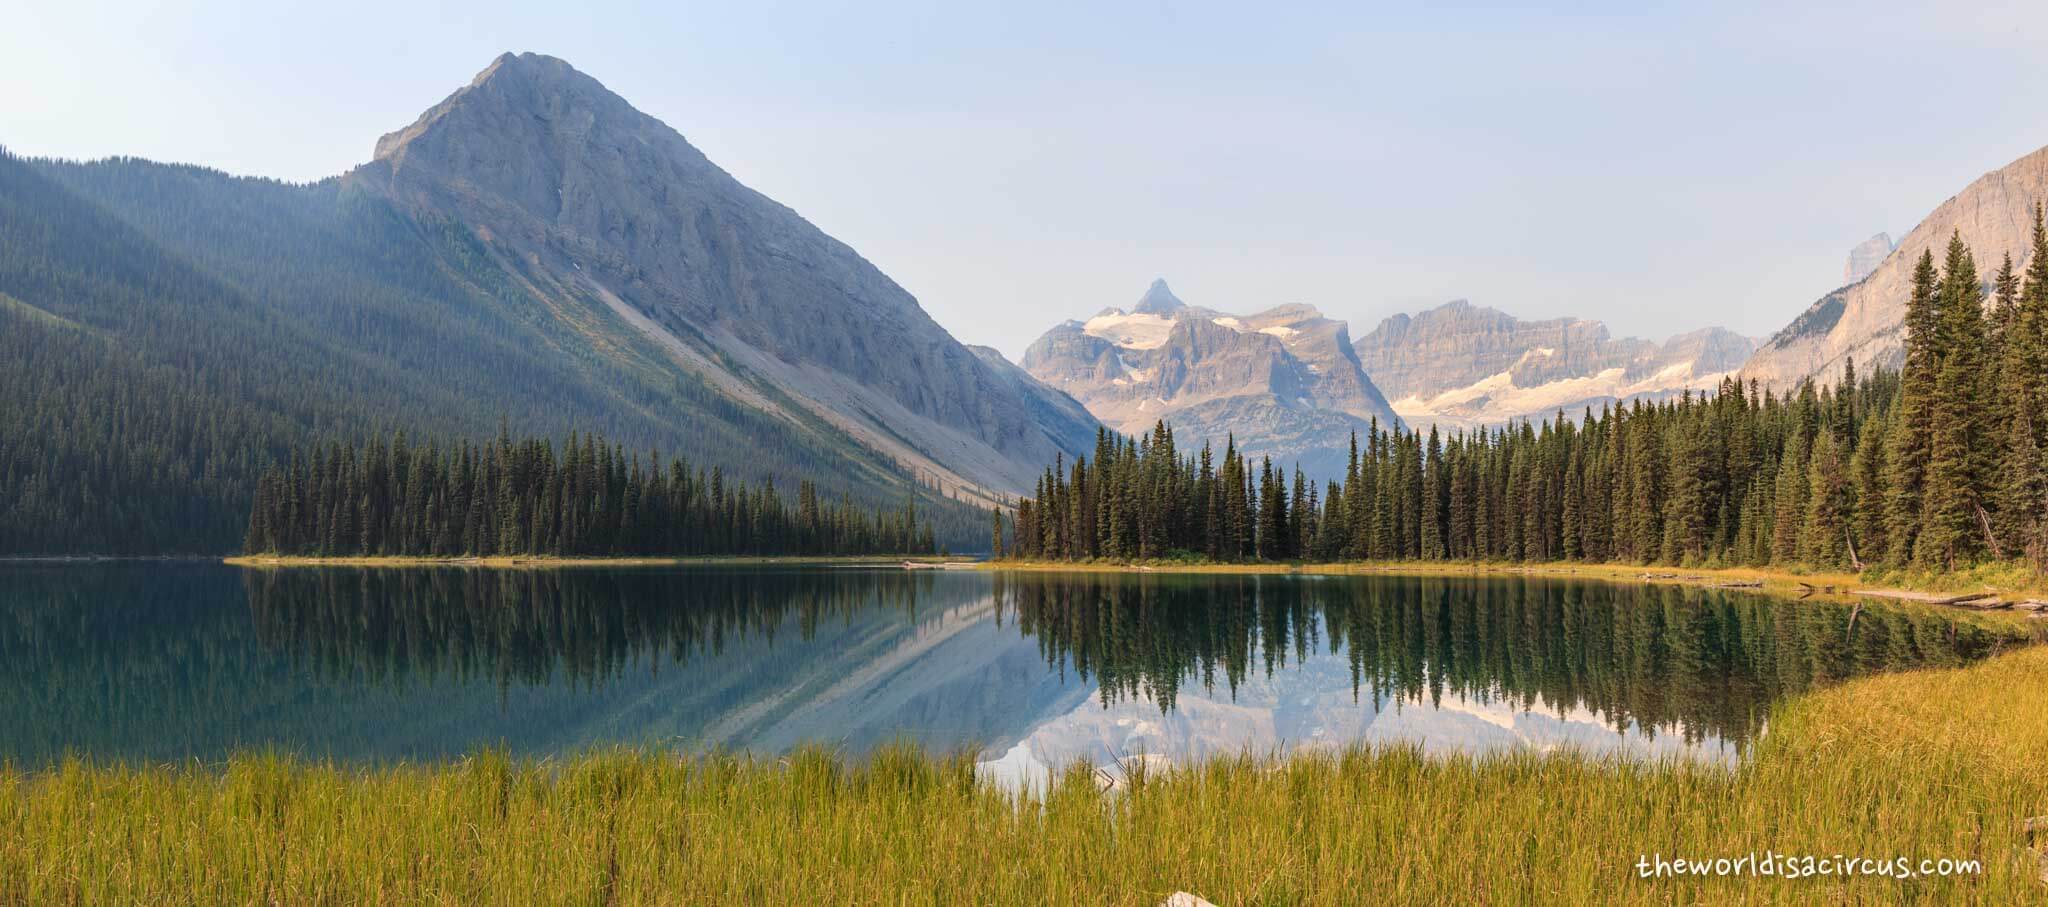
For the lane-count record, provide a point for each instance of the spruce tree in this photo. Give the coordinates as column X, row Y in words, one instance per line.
column 1825, row 535
column 1788, row 509
column 1911, row 429
column 1949, row 516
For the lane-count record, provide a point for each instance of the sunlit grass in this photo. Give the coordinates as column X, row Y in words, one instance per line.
column 1931, row 764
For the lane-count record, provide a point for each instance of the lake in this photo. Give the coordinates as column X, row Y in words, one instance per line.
column 153, row 661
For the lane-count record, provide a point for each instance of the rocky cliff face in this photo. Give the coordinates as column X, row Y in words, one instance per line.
column 1461, row 365
column 1865, row 320
column 1865, row 258
column 1284, row 382
column 582, row 195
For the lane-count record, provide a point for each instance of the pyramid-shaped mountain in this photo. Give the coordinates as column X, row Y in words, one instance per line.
column 586, row 196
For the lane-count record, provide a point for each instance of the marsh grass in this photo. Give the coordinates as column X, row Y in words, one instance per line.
column 1930, row 764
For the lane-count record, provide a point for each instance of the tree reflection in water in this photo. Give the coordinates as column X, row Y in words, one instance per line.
column 150, row 661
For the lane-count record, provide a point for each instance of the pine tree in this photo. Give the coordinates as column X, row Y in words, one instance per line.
column 1789, row 502
column 1912, row 425
column 1949, row 515
column 1868, row 468
column 1823, row 540
column 2019, row 487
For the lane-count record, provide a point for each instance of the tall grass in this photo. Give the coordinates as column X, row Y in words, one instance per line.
column 1933, row 764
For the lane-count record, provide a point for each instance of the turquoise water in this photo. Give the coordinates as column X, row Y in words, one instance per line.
column 163, row 662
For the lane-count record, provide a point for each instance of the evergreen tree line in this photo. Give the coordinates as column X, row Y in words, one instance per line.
column 1935, row 465
column 590, row 498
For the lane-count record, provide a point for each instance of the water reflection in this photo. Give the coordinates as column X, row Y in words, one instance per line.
column 159, row 662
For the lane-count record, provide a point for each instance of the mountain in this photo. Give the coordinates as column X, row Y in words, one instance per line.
column 590, row 198
column 1284, row 382
column 532, row 256
column 1465, row 365
column 1865, row 319
column 1865, row 257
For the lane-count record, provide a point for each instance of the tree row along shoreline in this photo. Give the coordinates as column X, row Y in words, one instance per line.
column 590, row 499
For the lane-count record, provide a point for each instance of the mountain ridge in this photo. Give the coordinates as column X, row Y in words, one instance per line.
column 1865, row 319
column 1462, row 365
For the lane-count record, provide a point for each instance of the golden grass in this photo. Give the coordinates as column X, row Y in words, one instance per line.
column 1934, row 764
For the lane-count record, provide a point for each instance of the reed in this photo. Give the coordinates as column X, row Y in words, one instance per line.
column 1930, row 764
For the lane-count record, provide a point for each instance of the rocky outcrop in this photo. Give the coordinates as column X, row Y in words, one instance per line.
column 1284, row 382
column 580, row 193
column 1865, row 320
column 1865, row 258
column 1461, row 365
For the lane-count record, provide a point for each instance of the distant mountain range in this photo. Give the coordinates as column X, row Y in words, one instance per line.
column 1290, row 383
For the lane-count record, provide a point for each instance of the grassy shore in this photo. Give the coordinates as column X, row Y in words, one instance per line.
column 1940, row 764
column 545, row 562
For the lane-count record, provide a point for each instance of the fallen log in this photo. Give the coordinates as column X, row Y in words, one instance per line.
column 1740, row 584
column 1925, row 598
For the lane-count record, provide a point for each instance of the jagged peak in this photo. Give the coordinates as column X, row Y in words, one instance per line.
column 1158, row 300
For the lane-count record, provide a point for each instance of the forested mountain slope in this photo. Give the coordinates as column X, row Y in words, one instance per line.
column 532, row 256
column 165, row 331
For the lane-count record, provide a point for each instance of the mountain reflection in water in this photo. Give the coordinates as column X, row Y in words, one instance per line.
column 1034, row 669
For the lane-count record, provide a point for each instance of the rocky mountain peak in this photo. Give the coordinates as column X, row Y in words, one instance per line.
column 1865, row 257
column 1283, row 382
column 516, row 90
column 600, row 204
column 1158, row 300
column 1865, row 320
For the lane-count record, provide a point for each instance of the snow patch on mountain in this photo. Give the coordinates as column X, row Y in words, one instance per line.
column 1497, row 398
column 1131, row 331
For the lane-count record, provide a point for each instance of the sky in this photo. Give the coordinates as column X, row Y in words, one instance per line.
column 1658, row 166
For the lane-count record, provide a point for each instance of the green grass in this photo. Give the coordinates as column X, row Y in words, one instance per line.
column 1932, row 764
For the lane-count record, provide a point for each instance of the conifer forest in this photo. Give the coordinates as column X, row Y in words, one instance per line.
column 591, row 498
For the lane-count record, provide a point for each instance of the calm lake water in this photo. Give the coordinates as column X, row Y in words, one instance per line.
column 157, row 662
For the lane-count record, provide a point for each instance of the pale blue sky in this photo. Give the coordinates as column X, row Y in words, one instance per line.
column 1658, row 165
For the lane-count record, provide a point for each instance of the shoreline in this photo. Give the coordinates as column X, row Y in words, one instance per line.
column 1822, row 584
column 542, row 562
